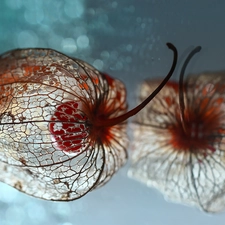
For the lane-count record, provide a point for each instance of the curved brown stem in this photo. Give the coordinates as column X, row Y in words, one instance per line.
column 120, row 119
column 181, row 84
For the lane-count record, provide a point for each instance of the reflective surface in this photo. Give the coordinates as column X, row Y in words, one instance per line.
column 127, row 40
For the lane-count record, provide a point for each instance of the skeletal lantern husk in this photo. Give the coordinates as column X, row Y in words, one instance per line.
column 34, row 84
column 190, row 171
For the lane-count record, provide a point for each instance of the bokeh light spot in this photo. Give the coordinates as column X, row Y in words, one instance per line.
column 98, row 64
column 74, row 9
column 114, row 4
column 68, row 45
column 105, row 54
column 27, row 38
column 83, row 41
column 129, row 48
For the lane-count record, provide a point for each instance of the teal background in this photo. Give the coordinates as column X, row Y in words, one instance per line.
column 127, row 40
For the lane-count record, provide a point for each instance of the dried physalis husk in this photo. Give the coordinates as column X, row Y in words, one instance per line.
column 179, row 144
column 62, row 129
column 47, row 148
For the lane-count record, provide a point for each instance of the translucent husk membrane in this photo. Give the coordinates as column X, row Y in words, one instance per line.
column 62, row 129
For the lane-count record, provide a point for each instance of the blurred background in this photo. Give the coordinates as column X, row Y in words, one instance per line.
column 126, row 39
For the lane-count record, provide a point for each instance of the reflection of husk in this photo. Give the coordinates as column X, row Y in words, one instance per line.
column 194, row 177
